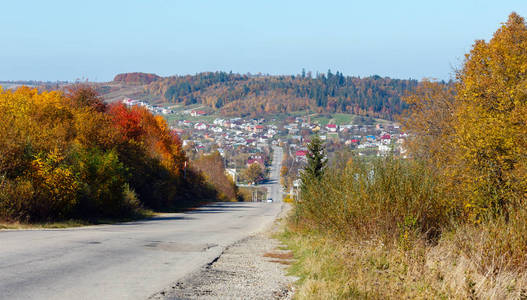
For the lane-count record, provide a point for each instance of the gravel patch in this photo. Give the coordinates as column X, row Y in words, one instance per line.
column 253, row 268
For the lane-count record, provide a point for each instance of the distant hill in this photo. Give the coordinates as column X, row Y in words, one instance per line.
column 253, row 95
column 136, row 78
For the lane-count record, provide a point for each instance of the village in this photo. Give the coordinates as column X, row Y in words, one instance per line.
column 242, row 142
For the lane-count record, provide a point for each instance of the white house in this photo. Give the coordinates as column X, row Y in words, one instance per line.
column 332, row 127
column 200, row 126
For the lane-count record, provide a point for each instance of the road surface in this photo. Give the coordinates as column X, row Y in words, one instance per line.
column 274, row 190
column 129, row 260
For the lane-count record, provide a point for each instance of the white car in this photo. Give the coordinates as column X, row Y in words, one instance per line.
column 269, row 200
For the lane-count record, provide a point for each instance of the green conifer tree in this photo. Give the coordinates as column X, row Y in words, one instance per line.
column 316, row 162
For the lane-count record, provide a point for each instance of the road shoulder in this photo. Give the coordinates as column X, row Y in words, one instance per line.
column 253, row 268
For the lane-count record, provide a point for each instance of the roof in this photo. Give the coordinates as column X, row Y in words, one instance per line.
column 251, row 161
column 301, row 153
column 331, row 126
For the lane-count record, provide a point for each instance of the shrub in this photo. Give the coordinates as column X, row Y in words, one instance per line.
column 386, row 197
column 16, row 197
column 103, row 179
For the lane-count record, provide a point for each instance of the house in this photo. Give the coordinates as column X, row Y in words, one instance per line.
column 386, row 138
column 200, row 126
column 256, row 160
column 331, row 127
column 301, row 155
column 197, row 113
column 271, row 133
column 166, row 111
column 258, row 129
column 292, row 130
column 129, row 102
column 296, row 138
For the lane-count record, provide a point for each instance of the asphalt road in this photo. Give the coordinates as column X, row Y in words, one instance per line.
column 129, row 260
column 274, row 190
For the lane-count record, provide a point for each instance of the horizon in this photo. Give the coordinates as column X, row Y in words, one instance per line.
column 313, row 76
column 51, row 41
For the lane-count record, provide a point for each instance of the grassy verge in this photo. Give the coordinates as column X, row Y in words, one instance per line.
column 330, row 269
column 139, row 215
column 451, row 269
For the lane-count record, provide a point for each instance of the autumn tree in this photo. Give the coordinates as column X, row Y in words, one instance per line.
column 254, row 172
column 213, row 168
column 475, row 135
column 429, row 120
column 82, row 95
column 491, row 118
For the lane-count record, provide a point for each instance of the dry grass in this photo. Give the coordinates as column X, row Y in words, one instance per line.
column 287, row 255
column 65, row 224
column 282, row 262
column 140, row 214
column 284, row 258
column 332, row 269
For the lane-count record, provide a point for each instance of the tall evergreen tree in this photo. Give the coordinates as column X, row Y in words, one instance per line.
column 316, row 161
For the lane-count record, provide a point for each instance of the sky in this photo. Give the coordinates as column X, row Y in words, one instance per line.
column 95, row 40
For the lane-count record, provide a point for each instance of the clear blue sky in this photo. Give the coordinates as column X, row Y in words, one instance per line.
column 65, row 40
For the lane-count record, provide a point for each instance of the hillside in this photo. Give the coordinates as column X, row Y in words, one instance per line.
column 136, row 78
column 252, row 95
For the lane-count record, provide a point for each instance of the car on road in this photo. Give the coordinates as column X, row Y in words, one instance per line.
column 269, row 200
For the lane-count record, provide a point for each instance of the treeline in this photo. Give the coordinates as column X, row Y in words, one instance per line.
column 448, row 221
column 236, row 94
column 136, row 78
column 69, row 155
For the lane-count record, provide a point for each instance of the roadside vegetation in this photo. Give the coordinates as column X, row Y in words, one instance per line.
column 447, row 221
column 69, row 156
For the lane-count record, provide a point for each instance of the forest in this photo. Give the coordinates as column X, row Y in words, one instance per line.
column 253, row 95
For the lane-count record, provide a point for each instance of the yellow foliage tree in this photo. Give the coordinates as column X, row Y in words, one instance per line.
column 491, row 119
column 476, row 134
